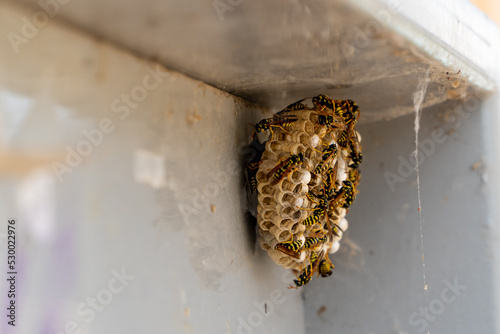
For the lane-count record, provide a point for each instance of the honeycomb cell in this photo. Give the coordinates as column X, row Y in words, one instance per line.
column 335, row 247
column 297, row 228
column 303, row 180
column 268, row 201
column 287, row 212
column 342, row 224
column 299, row 202
column 266, row 225
column 287, row 186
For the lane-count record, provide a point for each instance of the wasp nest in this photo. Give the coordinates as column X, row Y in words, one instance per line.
column 306, row 178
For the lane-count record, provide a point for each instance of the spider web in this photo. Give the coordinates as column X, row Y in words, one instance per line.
column 418, row 98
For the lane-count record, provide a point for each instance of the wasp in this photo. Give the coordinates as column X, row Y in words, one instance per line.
column 290, row 248
column 344, row 106
column 350, row 113
column 344, row 196
column 253, row 163
column 327, row 196
column 347, row 109
column 357, row 159
column 335, row 229
column 321, row 201
column 281, row 122
column 330, row 182
column 328, row 226
column 328, row 153
column 252, row 169
column 339, row 107
column 325, row 267
column 314, row 241
column 303, row 278
column 343, row 139
column 330, row 122
column 326, row 120
column 294, row 106
column 318, row 212
column 328, row 189
column 312, row 196
column 316, row 215
column 307, row 273
column 353, row 175
column 322, row 101
column 356, row 156
column 350, row 119
column 285, row 167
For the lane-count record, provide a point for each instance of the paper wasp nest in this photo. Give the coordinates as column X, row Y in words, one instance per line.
column 294, row 180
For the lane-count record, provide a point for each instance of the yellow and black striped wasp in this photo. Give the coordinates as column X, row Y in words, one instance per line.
column 344, row 196
column 343, row 139
column 326, row 120
column 356, row 158
column 350, row 120
column 314, row 240
column 307, row 273
column 253, row 163
column 325, row 267
column 329, row 153
column 331, row 123
column 276, row 121
column 317, row 212
column 290, row 248
column 285, row 167
column 317, row 263
column 355, row 148
column 322, row 102
column 324, row 205
column 294, row 106
column 338, row 107
column 344, row 107
column 252, row 169
column 354, row 175
column 349, row 111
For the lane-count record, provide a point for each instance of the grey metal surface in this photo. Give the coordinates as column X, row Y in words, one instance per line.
column 377, row 286
column 276, row 52
column 153, row 196
column 198, row 270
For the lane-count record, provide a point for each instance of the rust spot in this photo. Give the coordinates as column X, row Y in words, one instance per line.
column 476, row 165
column 192, row 118
column 321, row 310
